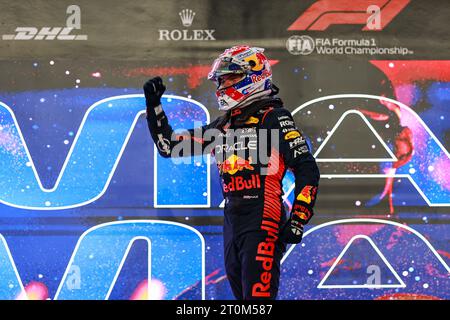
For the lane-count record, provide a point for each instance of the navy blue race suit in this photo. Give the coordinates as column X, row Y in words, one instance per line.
column 255, row 225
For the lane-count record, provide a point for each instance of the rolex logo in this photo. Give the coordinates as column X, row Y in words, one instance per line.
column 187, row 17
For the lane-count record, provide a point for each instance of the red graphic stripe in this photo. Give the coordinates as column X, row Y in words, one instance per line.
column 323, row 7
column 324, row 13
column 265, row 114
column 404, row 72
column 272, row 210
column 272, row 192
column 270, row 223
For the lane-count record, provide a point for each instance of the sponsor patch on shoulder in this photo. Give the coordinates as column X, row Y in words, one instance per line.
column 292, row 135
column 300, row 150
column 297, row 142
column 287, row 123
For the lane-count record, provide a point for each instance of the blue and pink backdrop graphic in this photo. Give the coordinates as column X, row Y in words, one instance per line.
column 89, row 210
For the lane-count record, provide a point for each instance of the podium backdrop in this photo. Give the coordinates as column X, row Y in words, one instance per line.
column 89, row 211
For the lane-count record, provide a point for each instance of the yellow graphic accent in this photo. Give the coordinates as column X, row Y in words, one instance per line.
column 291, row 135
column 258, row 65
column 252, row 120
column 234, row 164
column 301, row 215
column 305, row 194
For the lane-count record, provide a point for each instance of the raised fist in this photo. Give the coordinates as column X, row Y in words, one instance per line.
column 153, row 90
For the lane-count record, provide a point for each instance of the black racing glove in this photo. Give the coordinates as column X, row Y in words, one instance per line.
column 292, row 231
column 153, row 90
column 301, row 213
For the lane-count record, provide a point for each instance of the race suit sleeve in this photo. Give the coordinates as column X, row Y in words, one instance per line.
column 298, row 158
column 181, row 144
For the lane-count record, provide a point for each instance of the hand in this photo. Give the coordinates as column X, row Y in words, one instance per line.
column 153, row 90
column 292, row 232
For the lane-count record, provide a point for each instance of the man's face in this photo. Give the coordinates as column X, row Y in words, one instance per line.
column 228, row 80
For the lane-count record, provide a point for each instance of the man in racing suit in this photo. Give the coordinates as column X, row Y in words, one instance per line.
column 255, row 123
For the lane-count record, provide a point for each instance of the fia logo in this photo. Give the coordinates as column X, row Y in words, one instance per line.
column 303, row 45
